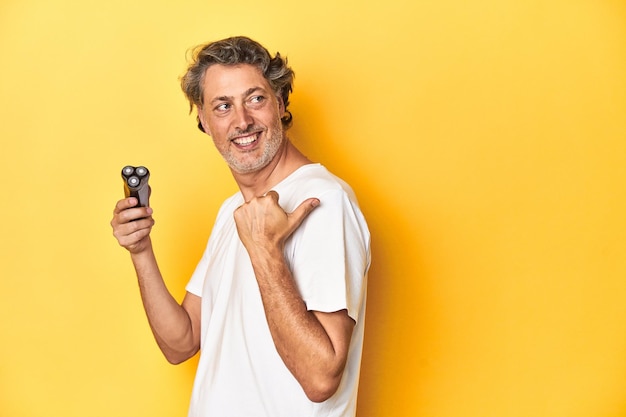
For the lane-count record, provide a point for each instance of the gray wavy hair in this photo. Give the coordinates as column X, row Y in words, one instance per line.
column 234, row 51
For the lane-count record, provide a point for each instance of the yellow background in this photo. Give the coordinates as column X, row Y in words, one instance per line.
column 486, row 141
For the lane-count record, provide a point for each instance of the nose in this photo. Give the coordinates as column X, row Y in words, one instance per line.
column 243, row 118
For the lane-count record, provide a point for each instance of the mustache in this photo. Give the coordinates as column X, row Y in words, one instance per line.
column 248, row 131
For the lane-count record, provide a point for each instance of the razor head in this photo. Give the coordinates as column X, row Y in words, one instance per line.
column 136, row 184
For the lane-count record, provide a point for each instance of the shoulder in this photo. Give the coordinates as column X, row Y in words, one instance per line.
column 313, row 180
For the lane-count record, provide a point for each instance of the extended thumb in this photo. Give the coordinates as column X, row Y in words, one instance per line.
column 302, row 211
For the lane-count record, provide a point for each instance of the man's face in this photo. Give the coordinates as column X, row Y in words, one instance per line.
column 242, row 115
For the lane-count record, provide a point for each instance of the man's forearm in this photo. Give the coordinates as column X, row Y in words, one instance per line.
column 169, row 321
column 315, row 357
column 313, row 345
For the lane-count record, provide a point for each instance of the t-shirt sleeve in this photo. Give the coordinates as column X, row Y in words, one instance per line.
column 196, row 282
column 330, row 255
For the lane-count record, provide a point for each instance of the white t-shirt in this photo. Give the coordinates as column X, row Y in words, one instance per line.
column 240, row 373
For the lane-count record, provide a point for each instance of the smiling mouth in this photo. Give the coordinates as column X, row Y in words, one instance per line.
column 247, row 139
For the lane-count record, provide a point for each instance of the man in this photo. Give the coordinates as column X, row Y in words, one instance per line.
column 276, row 304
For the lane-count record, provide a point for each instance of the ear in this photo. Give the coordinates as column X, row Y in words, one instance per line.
column 281, row 106
column 202, row 121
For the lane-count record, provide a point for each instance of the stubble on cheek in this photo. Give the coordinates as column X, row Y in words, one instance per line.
column 245, row 162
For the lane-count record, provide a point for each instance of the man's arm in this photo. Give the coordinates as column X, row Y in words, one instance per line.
column 176, row 327
column 313, row 345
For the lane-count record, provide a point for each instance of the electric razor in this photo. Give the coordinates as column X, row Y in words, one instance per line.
column 136, row 184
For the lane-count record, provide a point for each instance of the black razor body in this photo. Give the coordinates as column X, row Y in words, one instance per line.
column 136, row 184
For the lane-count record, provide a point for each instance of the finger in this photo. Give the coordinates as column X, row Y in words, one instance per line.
column 133, row 214
column 131, row 232
column 124, row 204
column 273, row 195
column 133, row 241
column 129, row 216
column 301, row 212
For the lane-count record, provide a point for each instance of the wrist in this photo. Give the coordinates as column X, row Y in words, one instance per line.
column 141, row 249
column 266, row 258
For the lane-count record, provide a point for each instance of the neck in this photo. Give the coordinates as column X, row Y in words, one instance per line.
column 255, row 184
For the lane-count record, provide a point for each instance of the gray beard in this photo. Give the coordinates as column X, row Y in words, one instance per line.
column 272, row 146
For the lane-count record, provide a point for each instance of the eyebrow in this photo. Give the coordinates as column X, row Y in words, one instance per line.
column 245, row 94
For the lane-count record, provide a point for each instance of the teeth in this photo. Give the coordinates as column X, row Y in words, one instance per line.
column 245, row 140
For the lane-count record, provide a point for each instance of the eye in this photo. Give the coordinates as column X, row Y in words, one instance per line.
column 257, row 99
column 222, row 107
